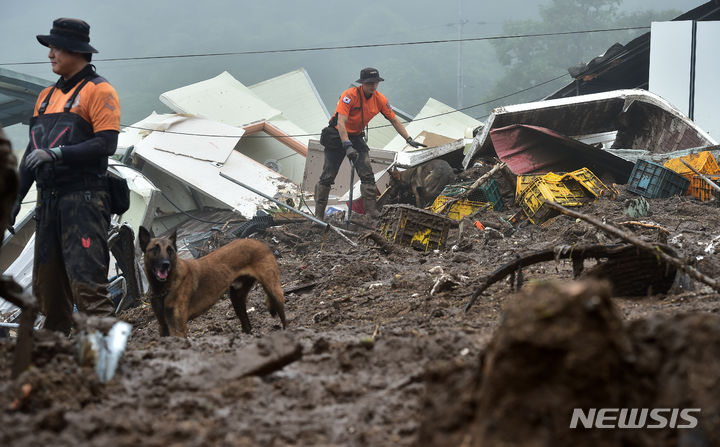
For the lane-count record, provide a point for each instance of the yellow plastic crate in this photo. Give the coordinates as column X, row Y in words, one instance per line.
column 553, row 177
column 591, row 183
column 407, row 225
column 704, row 162
column 458, row 209
column 533, row 199
column 700, row 189
column 579, row 182
column 523, row 181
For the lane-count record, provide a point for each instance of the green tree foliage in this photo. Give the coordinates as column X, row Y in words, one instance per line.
column 532, row 60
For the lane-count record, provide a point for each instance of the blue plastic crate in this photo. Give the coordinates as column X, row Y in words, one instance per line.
column 654, row 181
column 488, row 192
column 491, row 193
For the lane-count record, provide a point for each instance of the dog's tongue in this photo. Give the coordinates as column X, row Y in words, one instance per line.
column 161, row 274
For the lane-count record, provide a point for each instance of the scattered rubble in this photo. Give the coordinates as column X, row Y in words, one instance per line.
column 388, row 354
column 402, row 331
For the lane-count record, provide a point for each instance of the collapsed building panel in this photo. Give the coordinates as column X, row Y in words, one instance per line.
column 641, row 119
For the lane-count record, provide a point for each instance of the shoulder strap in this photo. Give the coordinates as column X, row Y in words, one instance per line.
column 46, row 101
column 68, row 105
column 362, row 111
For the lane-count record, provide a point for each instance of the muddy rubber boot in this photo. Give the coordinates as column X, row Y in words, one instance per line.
column 321, row 200
column 369, row 195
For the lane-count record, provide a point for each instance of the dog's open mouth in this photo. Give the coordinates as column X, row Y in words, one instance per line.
column 161, row 273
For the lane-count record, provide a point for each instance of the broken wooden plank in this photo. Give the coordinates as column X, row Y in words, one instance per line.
column 384, row 245
column 268, row 355
column 485, row 177
column 301, row 286
column 645, row 225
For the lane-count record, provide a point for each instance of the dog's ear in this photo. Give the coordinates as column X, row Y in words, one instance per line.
column 144, row 238
column 173, row 238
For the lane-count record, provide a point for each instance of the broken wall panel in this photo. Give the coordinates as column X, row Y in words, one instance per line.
column 295, row 95
column 380, row 160
column 222, row 98
column 201, row 175
column 642, row 120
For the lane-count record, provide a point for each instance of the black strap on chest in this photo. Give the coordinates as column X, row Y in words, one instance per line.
column 362, row 113
column 68, row 104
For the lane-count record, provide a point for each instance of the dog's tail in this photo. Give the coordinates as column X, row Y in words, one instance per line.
column 275, row 297
column 276, row 304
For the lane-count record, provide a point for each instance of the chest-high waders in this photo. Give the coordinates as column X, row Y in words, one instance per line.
column 72, row 221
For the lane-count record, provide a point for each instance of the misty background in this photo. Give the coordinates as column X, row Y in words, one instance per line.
column 491, row 70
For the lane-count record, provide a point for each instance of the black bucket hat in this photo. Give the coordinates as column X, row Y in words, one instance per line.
column 69, row 34
column 369, row 74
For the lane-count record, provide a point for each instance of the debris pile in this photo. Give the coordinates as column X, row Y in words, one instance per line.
column 563, row 347
column 565, row 257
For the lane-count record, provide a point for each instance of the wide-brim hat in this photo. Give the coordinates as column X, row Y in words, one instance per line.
column 369, row 74
column 69, row 34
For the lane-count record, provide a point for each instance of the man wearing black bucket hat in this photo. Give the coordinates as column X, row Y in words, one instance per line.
column 73, row 130
column 344, row 136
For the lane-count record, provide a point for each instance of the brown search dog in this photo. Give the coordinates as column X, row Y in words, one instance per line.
column 180, row 290
column 425, row 181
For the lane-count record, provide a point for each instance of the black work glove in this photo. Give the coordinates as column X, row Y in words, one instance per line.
column 350, row 151
column 414, row 143
column 38, row 157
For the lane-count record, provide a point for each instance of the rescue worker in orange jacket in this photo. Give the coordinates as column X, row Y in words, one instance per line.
column 73, row 130
column 344, row 136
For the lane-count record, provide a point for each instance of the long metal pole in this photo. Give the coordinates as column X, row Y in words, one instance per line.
column 307, row 216
column 352, row 186
column 707, row 180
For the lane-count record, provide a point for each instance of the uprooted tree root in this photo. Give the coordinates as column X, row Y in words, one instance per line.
column 616, row 254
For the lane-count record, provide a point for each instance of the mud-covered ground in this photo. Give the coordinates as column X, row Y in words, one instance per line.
column 384, row 361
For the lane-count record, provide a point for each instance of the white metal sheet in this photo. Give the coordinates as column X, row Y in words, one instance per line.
column 197, row 138
column 707, row 72
column 222, row 98
column 204, row 175
column 437, row 118
column 670, row 50
column 295, row 95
